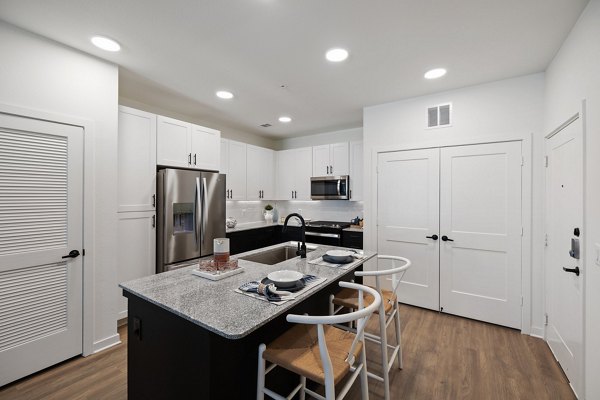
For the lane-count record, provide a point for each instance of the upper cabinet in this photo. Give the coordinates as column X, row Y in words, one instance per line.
column 235, row 168
column 185, row 145
column 136, row 160
column 205, row 148
column 260, row 181
column 330, row 159
column 356, row 171
column 293, row 171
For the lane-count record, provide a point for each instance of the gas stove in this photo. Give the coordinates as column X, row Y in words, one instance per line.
column 325, row 232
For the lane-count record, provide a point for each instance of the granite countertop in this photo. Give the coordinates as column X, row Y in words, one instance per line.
column 215, row 306
column 354, row 230
column 245, row 226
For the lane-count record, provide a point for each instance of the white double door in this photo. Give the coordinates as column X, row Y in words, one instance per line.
column 41, row 208
column 456, row 213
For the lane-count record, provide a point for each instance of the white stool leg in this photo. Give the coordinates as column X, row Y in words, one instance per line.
column 331, row 306
column 364, row 378
column 398, row 335
column 260, row 382
column 384, row 354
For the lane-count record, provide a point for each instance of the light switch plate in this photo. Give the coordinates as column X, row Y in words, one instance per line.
column 597, row 254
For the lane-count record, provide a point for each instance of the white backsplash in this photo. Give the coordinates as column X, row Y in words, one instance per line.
column 328, row 210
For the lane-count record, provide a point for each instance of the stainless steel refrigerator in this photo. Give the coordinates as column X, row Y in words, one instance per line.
column 191, row 213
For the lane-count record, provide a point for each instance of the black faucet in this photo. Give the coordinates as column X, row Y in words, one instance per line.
column 301, row 249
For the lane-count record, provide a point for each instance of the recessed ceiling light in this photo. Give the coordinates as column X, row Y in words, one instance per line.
column 435, row 73
column 336, row 55
column 285, row 119
column 224, row 94
column 105, row 43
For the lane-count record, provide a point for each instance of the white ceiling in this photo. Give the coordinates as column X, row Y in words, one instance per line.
column 177, row 53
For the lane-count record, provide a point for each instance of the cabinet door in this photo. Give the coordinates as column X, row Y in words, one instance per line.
column 136, row 255
column 224, row 161
column 268, row 174
column 236, row 179
column 172, row 142
column 285, row 174
column 356, row 171
column 302, row 162
column 205, row 148
column 254, row 171
column 136, row 160
column 320, row 160
column 338, row 159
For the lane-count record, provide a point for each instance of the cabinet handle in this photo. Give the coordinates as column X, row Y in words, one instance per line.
column 328, row 169
column 331, row 169
column 194, row 159
column 190, row 159
column 231, row 194
column 295, row 194
column 154, row 221
column 153, row 200
column 447, row 239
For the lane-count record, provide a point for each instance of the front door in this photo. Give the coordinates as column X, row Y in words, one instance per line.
column 480, row 229
column 41, row 221
column 408, row 220
column 564, row 213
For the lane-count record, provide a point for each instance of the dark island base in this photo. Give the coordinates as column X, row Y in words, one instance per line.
column 169, row 357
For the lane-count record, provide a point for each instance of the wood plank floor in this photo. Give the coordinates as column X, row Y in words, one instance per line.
column 445, row 357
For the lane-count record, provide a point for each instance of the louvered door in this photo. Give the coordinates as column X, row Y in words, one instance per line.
column 41, row 195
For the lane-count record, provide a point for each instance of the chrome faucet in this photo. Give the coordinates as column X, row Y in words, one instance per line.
column 301, row 249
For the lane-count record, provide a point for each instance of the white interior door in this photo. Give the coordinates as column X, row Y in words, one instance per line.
column 41, row 203
column 407, row 213
column 480, row 214
column 564, row 213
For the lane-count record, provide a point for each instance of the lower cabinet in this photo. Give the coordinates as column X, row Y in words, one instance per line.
column 352, row 240
column 252, row 239
column 137, row 249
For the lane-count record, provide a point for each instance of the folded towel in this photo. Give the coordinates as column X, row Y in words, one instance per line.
column 270, row 290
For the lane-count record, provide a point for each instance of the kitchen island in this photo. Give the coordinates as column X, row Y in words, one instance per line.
column 192, row 337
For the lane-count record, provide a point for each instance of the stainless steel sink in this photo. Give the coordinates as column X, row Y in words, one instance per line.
column 274, row 256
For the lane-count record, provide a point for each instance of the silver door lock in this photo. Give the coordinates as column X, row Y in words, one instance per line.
column 574, row 252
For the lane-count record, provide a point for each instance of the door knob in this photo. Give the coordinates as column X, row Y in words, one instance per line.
column 573, row 270
column 447, row 239
column 434, row 237
column 72, row 254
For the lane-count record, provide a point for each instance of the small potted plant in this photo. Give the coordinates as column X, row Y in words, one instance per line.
column 268, row 213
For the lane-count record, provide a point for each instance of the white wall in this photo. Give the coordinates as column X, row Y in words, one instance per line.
column 36, row 73
column 346, row 135
column 506, row 108
column 571, row 77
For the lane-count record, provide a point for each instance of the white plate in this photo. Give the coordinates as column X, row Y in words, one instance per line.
column 285, row 278
column 339, row 255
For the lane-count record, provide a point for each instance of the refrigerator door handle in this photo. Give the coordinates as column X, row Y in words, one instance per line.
column 204, row 209
column 197, row 201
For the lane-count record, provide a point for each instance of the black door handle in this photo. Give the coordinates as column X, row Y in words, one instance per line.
column 447, row 239
column 573, row 270
column 72, row 254
column 434, row 237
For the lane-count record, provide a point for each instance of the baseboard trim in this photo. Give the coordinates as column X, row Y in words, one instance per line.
column 122, row 315
column 106, row 343
column 537, row 331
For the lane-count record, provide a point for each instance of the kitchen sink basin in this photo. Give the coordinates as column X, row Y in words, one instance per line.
column 274, row 256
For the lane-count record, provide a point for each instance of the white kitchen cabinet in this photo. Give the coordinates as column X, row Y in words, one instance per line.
column 293, row 172
column 137, row 160
column 330, row 159
column 184, row 145
column 173, row 139
column 205, row 148
column 356, row 171
column 136, row 257
column 235, row 153
column 259, row 173
column 224, row 159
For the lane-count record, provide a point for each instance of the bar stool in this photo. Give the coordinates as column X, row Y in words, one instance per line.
column 388, row 311
column 321, row 353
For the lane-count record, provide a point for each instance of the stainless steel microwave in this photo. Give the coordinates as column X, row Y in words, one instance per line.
column 330, row 187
